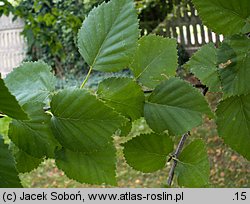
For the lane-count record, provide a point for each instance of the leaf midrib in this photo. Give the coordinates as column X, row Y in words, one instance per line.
column 147, row 67
column 119, row 102
column 231, row 11
column 34, row 131
column 151, row 153
column 244, row 113
column 175, row 107
column 108, row 34
column 194, row 167
column 82, row 120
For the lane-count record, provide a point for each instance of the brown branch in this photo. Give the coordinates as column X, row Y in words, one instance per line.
column 182, row 141
column 176, row 154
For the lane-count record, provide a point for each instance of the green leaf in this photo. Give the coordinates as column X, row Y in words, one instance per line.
column 96, row 167
column 81, row 122
column 31, row 82
column 234, row 60
column 24, row 162
column 175, row 106
column 233, row 121
column 9, row 104
column 108, row 37
column 246, row 28
column 33, row 136
column 126, row 129
column 155, row 60
column 8, row 173
column 203, row 64
column 148, row 153
column 193, row 168
column 4, row 128
column 124, row 95
column 226, row 17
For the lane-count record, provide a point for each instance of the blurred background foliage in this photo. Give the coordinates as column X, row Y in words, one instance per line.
column 51, row 28
column 153, row 12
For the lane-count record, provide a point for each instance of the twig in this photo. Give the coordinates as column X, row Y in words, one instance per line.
column 199, row 86
column 182, row 141
column 203, row 87
column 87, row 77
column 205, row 90
column 176, row 154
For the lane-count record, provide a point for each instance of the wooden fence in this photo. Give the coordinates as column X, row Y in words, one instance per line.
column 12, row 44
column 183, row 24
column 186, row 26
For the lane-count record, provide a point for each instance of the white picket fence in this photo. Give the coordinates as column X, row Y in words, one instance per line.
column 12, row 44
